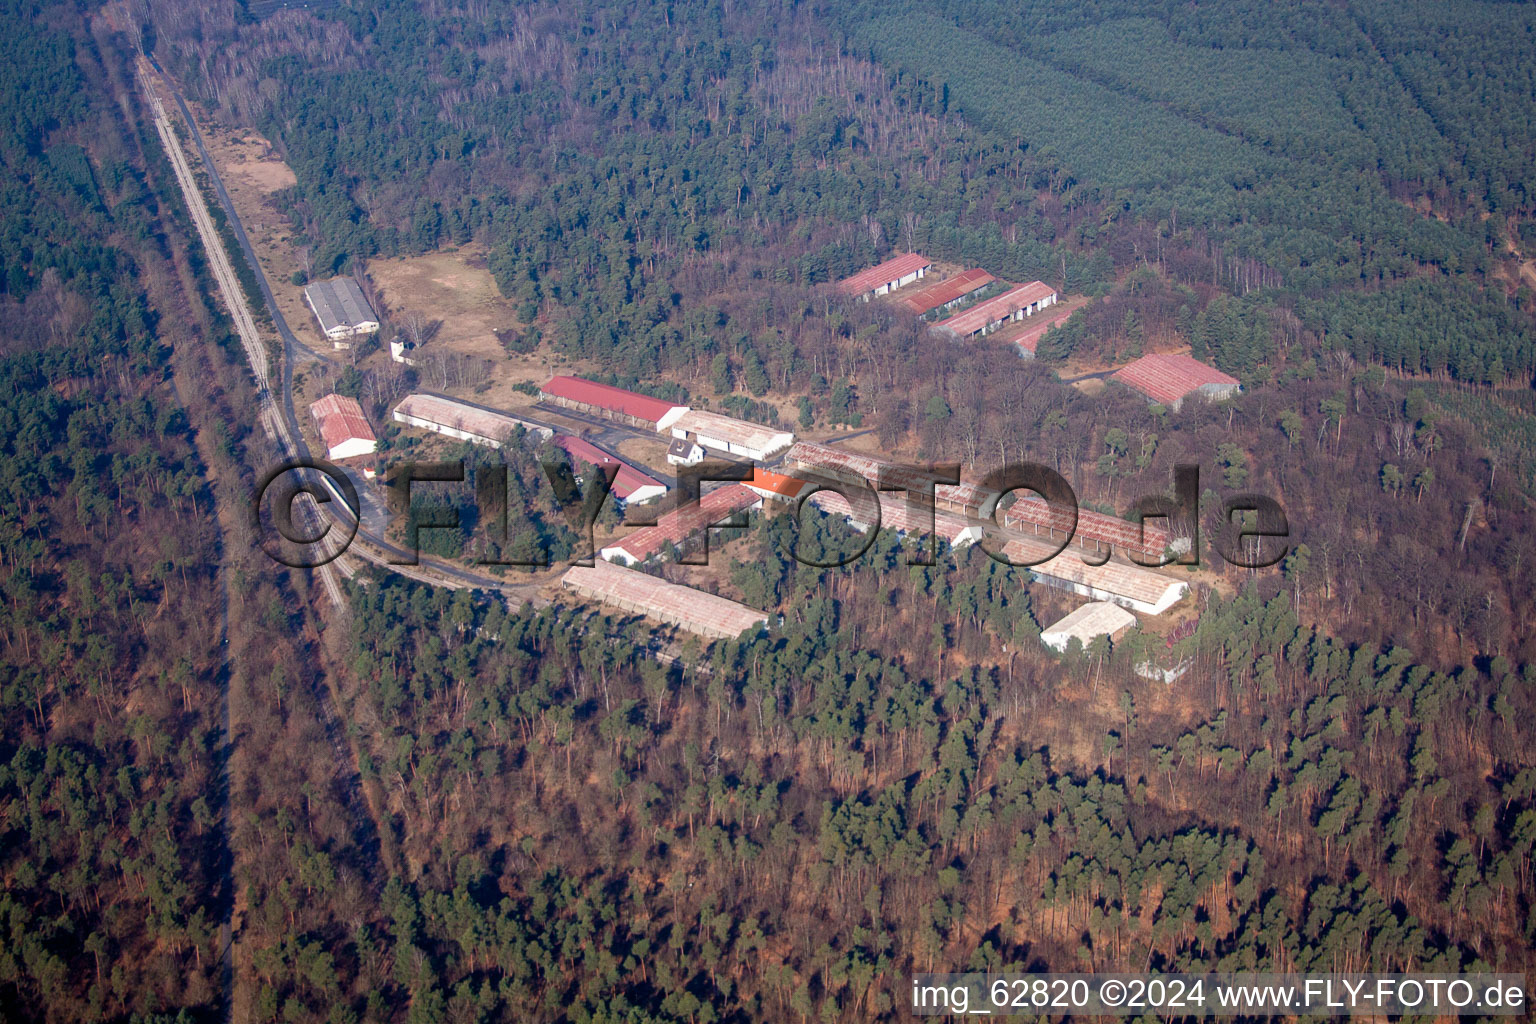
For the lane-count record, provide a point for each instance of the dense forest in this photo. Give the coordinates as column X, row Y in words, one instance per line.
column 429, row 806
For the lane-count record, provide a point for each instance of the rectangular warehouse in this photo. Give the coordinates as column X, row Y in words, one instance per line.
column 684, row 607
column 883, row 278
column 679, row 526
column 718, row 433
column 901, row 515
column 1087, row 624
column 343, row 427
column 1129, row 586
column 630, row 485
column 611, row 403
column 463, row 420
column 985, row 317
column 1169, row 379
column 946, row 294
column 341, row 308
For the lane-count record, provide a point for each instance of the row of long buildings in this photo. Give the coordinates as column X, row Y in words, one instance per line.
column 710, row 431
column 1016, row 303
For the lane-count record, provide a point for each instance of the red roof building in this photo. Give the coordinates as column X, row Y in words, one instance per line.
column 1029, row 341
column 882, row 278
column 1014, row 304
column 683, row 524
column 343, row 427
column 775, row 485
column 1169, row 379
column 612, row 403
column 944, row 294
column 629, row 485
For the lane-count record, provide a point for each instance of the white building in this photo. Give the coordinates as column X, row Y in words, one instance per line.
column 341, row 309
column 730, row 435
column 1087, row 624
column 343, row 427
column 463, row 421
column 683, row 452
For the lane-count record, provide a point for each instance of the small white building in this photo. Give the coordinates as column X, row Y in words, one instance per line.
column 400, row 351
column 683, row 452
column 728, row 434
column 342, row 310
column 343, row 427
column 1087, row 624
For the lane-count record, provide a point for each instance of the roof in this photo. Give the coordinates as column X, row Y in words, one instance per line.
column 942, row 292
column 340, row 420
column 1024, row 514
column 776, row 483
column 1038, row 325
column 678, row 525
column 681, row 447
column 472, row 419
column 899, row 514
column 1118, row 578
column 895, row 269
column 1168, row 378
column 999, row 307
column 1094, row 619
column 626, row 482
column 606, row 396
column 684, row 607
column 731, row 430
column 1031, row 511
column 339, row 302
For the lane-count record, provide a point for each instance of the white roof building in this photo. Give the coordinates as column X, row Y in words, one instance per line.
column 684, row 607
column 728, row 434
column 1129, row 586
column 341, row 308
column 1087, row 624
column 463, row 421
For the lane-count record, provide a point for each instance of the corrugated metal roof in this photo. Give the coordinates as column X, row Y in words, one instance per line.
column 339, row 302
column 942, row 292
column 999, row 307
column 899, row 514
column 1119, row 578
column 869, row 279
column 471, row 419
column 626, row 482
column 732, row 430
column 1092, row 620
column 684, row 607
column 676, row 526
column 341, row 419
column 1168, row 378
column 606, row 396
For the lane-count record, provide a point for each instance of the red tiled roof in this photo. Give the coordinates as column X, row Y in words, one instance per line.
column 677, row 526
column 999, row 307
column 606, row 396
column 629, row 479
column 340, row 420
column 1168, row 378
column 1039, row 324
column 935, row 295
column 869, row 279
column 778, row 483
